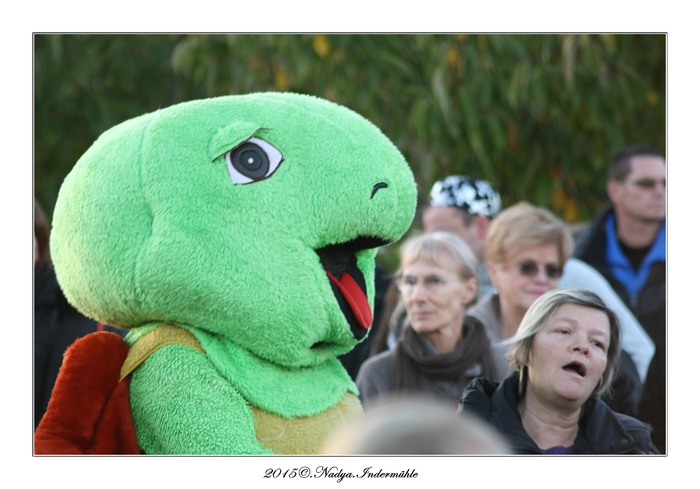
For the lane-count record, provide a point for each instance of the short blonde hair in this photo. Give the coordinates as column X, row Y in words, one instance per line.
column 523, row 226
column 410, row 425
column 441, row 248
column 536, row 319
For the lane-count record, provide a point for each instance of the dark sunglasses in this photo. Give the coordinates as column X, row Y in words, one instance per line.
column 530, row 269
column 648, row 183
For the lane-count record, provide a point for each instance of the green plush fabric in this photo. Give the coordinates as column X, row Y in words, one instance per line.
column 195, row 411
column 150, row 228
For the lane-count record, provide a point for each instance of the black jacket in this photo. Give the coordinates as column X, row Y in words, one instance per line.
column 601, row 430
column 649, row 308
column 56, row 326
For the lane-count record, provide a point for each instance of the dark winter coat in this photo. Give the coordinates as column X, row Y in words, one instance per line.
column 649, row 307
column 601, row 430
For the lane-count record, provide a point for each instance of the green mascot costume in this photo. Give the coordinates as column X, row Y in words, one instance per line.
column 235, row 238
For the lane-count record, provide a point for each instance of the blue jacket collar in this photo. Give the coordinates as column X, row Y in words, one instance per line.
column 620, row 266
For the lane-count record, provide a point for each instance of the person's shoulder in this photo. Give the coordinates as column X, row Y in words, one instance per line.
column 477, row 397
column 374, row 363
column 373, row 377
column 631, row 424
column 590, row 238
column 579, row 267
column 483, row 309
column 578, row 273
column 639, row 431
column 483, row 386
column 486, row 311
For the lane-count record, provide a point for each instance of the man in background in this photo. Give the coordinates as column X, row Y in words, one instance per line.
column 465, row 207
column 626, row 243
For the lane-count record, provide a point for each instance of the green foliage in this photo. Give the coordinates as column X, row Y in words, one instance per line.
column 540, row 116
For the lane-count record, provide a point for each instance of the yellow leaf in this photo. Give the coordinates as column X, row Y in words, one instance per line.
column 612, row 41
column 571, row 211
column 513, row 138
column 281, row 82
column 558, row 198
column 453, row 56
column 321, row 45
column 329, row 94
column 652, row 98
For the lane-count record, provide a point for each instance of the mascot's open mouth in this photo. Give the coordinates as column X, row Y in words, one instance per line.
column 347, row 281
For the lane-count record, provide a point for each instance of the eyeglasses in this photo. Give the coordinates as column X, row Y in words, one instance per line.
column 649, row 183
column 531, row 269
column 431, row 284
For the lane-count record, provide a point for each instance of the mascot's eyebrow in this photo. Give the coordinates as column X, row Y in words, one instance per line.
column 376, row 187
column 228, row 137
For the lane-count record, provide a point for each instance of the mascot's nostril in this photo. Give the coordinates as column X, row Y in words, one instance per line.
column 377, row 187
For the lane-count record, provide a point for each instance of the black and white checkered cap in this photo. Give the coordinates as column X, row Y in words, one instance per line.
column 474, row 196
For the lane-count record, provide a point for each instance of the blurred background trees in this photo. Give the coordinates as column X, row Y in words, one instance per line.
column 539, row 116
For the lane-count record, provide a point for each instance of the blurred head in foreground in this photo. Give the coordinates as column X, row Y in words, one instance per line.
column 414, row 426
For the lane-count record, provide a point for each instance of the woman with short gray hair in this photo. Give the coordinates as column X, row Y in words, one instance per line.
column 565, row 353
column 441, row 349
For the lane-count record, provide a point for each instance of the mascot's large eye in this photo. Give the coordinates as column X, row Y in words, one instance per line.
column 252, row 161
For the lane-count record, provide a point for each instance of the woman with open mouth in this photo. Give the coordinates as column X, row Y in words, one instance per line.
column 565, row 354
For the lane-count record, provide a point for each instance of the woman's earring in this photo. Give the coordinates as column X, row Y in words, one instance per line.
column 522, row 380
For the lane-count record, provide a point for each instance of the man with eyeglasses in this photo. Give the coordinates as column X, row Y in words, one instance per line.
column 626, row 243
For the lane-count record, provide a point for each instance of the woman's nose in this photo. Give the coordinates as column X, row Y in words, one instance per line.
column 417, row 291
column 541, row 275
column 580, row 345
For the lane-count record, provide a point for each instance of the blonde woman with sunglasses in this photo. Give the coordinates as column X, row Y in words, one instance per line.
column 526, row 249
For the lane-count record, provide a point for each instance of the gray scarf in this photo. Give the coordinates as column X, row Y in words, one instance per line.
column 410, row 361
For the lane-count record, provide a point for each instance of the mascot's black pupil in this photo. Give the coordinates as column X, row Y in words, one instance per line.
column 250, row 160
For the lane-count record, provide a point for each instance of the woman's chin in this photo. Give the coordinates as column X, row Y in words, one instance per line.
column 423, row 327
column 576, row 395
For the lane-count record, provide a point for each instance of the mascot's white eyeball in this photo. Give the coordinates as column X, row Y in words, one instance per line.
column 252, row 161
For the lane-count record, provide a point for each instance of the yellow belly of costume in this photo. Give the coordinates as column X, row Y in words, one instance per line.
column 303, row 435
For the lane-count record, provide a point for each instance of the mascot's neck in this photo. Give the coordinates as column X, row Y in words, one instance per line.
column 279, row 390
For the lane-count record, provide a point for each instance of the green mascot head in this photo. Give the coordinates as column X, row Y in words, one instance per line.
column 254, row 217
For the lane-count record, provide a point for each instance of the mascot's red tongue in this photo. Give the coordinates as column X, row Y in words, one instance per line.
column 356, row 298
